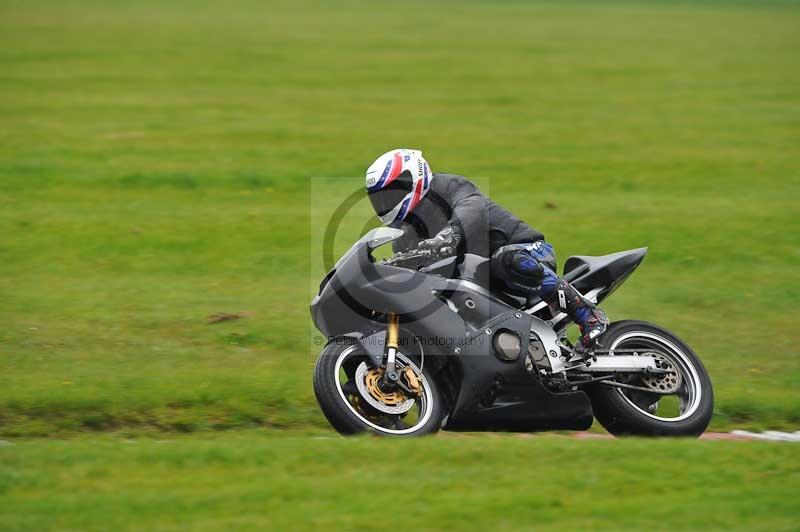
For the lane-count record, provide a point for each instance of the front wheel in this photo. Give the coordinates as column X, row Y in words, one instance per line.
column 349, row 393
column 681, row 402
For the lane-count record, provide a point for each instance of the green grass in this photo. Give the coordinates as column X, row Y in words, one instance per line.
column 252, row 481
column 155, row 160
column 156, row 164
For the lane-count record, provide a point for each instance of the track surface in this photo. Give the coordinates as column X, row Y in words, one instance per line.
column 769, row 435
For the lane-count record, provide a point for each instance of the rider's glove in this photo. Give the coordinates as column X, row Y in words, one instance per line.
column 445, row 242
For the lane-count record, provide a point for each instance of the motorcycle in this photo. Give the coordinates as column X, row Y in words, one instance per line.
column 418, row 343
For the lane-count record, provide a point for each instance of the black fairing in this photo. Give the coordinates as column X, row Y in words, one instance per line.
column 606, row 272
column 497, row 394
column 489, row 393
column 361, row 291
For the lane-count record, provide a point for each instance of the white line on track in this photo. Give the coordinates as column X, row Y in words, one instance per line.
column 772, row 435
column 768, row 435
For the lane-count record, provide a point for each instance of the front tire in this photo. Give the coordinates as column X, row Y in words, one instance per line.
column 625, row 412
column 348, row 408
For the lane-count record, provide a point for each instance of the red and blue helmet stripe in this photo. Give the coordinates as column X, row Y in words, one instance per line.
column 393, row 168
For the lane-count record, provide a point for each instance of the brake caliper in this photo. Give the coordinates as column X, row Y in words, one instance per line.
column 412, row 380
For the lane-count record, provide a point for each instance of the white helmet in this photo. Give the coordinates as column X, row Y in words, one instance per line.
column 396, row 182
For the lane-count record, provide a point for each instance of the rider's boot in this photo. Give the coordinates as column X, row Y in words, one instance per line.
column 590, row 319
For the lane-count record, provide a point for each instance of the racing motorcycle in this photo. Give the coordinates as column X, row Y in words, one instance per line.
column 418, row 343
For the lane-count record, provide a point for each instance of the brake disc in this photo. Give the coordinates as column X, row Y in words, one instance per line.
column 668, row 382
column 367, row 380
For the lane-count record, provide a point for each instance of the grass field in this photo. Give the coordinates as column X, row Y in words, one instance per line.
column 252, row 481
column 156, row 165
column 155, row 162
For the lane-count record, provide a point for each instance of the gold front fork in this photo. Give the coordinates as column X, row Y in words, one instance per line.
column 392, row 335
column 392, row 340
column 393, row 331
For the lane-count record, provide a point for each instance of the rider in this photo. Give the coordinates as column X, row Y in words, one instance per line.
column 447, row 214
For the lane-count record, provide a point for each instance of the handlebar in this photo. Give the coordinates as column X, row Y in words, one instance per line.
column 405, row 259
column 416, row 258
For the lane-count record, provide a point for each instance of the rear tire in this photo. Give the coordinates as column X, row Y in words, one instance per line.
column 620, row 414
column 346, row 418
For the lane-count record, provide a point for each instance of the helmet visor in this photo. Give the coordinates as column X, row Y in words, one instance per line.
column 387, row 198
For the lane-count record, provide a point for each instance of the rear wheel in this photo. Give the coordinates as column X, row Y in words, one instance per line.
column 681, row 402
column 348, row 391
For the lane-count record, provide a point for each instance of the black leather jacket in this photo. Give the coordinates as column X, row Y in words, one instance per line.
column 483, row 225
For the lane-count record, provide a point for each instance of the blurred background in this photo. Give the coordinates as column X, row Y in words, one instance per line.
column 156, row 257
